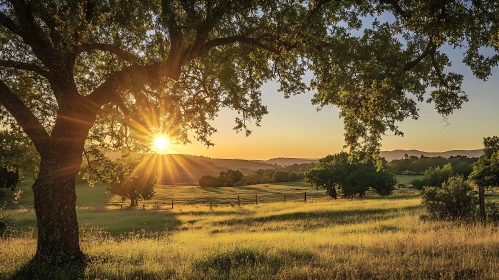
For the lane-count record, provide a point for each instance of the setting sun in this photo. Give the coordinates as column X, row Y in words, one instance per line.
column 160, row 143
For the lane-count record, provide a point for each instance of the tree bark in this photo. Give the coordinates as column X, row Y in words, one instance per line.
column 481, row 197
column 132, row 202
column 54, row 190
column 55, row 208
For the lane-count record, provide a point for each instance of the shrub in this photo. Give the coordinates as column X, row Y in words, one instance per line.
column 456, row 199
column 434, row 177
column 208, row 181
column 418, row 184
column 280, row 176
column 492, row 212
column 3, row 219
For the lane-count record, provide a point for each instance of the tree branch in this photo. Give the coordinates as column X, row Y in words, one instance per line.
column 125, row 55
column 119, row 81
column 129, row 119
column 213, row 17
column 8, row 23
column 233, row 39
column 24, row 117
column 396, row 6
column 31, row 33
column 25, row 66
column 430, row 48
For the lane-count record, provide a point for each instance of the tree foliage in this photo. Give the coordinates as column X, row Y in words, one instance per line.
column 486, row 169
column 208, row 181
column 132, row 180
column 230, row 177
column 455, row 199
column 18, row 153
column 352, row 175
column 123, row 57
column 434, row 177
column 462, row 165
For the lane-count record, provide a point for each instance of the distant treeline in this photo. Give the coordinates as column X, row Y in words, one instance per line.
column 231, row 178
column 461, row 165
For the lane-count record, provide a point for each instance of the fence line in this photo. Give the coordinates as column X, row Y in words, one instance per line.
column 239, row 200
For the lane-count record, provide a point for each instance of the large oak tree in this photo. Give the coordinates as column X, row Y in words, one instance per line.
column 85, row 72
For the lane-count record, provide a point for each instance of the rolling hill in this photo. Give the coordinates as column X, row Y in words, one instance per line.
column 185, row 169
column 180, row 169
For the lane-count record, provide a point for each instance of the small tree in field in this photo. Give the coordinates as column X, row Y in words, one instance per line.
column 486, row 170
column 280, row 176
column 354, row 176
column 131, row 181
column 208, row 181
column 230, row 177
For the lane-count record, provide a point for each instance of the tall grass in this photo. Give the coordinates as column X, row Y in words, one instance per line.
column 345, row 239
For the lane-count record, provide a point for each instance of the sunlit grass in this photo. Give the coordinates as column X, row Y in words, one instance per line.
column 324, row 239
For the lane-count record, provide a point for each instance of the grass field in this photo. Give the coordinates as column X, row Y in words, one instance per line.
column 407, row 179
column 376, row 238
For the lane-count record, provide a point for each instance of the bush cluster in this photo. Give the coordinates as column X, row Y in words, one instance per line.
column 434, row 177
column 271, row 176
column 227, row 178
column 462, row 165
column 455, row 199
column 232, row 178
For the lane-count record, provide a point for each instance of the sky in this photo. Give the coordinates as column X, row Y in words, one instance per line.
column 294, row 127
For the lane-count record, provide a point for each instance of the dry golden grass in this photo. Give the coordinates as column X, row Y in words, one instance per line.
column 344, row 239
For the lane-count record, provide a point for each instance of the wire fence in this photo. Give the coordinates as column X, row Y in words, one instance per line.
column 232, row 200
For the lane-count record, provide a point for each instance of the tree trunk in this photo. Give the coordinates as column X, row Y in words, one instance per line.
column 481, row 197
column 54, row 189
column 132, row 202
column 55, row 207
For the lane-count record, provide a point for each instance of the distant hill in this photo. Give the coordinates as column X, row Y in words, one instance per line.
column 243, row 165
column 288, row 161
column 179, row 169
column 399, row 154
column 185, row 169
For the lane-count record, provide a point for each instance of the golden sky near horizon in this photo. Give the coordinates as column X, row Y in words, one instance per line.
column 294, row 128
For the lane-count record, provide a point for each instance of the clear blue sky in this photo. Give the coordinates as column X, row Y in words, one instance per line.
column 293, row 127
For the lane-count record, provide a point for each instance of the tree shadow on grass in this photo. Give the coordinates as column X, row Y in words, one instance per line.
column 118, row 222
column 327, row 217
column 35, row 270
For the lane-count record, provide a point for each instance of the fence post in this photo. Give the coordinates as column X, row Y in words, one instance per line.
column 172, row 203
column 238, row 201
column 211, row 205
column 305, row 197
column 121, row 206
column 284, row 199
column 256, row 198
column 144, row 206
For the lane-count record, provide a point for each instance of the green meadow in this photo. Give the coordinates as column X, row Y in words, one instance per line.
column 373, row 238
